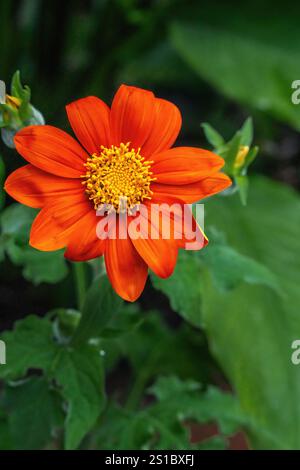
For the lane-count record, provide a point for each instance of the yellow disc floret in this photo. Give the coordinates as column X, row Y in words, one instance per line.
column 118, row 174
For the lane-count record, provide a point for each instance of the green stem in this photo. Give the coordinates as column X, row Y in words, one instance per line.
column 140, row 383
column 80, row 282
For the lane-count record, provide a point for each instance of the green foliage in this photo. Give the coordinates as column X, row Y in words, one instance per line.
column 164, row 423
column 100, row 305
column 38, row 266
column 244, row 64
column 184, row 295
column 75, row 374
column 228, row 267
column 35, row 413
column 29, row 345
column 236, row 302
column 250, row 310
column 259, row 326
column 80, row 374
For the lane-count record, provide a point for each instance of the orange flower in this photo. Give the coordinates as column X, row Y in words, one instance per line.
column 125, row 152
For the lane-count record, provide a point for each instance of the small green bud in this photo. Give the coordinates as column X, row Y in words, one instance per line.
column 16, row 111
column 237, row 153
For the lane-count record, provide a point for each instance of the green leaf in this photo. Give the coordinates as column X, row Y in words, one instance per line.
column 251, row 156
column 29, row 345
column 247, row 132
column 183, row 288
column 16, row 221
column 250, row 328
column 38, row 266
column 212, row 136
column 213, row 404
column 163, row 424
column 242, row 182
column 100, row 305
column 239, row 60
column 154, row 349
column 34, row 412
column 24, row 94
column 80, row 374
column 229, row 268
column 16, row 85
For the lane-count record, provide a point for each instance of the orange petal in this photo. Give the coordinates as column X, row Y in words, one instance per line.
column 51, row 150
column 89, row 118
column 53, row 226
column 132, row 116
column 126, row 270
column 35, row 188
column 158, row 252
column 193, row 192
column 165, row 129
column 184, row 165
column 183, row 227
column 84, row 243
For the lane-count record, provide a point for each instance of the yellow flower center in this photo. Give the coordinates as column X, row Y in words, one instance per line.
column 118, row 177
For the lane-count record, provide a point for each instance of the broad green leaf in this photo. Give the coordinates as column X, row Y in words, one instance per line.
column 80, row 374
column 34, row 412
column 100, row 305
column 183, row 288
column 243, row 63
column 229, row 268
column 29, row 345
column 250, row 328
column 266, row 230
column 247, row 332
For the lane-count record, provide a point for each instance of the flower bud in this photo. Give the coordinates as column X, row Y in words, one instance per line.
column 237, row 153
column 16, row 111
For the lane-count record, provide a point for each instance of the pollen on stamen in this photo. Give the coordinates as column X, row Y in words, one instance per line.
column 118, row 177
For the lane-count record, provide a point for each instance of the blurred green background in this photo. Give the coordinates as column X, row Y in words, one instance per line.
column 219, row 62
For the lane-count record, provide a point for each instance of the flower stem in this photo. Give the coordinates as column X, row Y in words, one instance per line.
column 142, row 379
column 79, row 273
